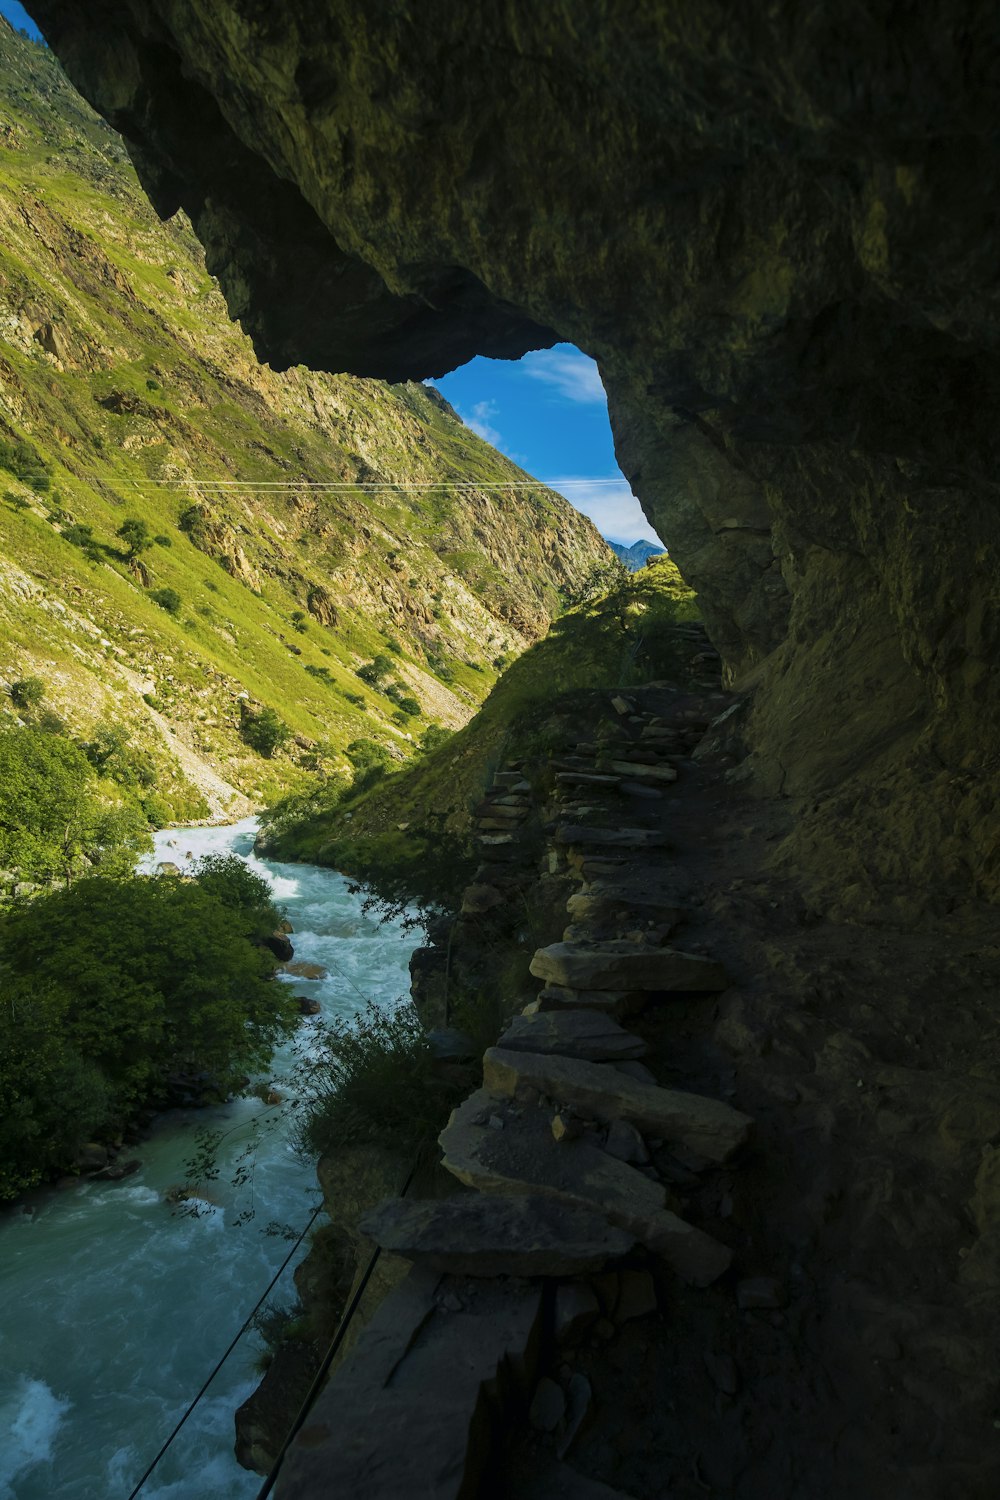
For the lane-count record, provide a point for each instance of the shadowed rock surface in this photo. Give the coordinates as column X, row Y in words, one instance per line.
column 771, row 225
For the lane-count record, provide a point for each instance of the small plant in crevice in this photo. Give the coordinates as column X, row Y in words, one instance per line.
column 372, row 1078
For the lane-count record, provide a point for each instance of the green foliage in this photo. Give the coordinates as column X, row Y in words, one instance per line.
column 24, row 462
column 433, row 736
column 244, row 893
column 298, row 620
column 136, row 535
column 162, row 541
column 372, row 1078
column 192, row 521
column 27, row 692
column 264, row 732
column 112, row 986
column 168, row 599
column 54, row 816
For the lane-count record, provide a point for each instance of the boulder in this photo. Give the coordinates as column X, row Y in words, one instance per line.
column 477, row 1234
column 92, row 1156
column 308, row 1006
column 713, row 1129
column 167, row 867
column 303, row 970
column 280, row 946
column 583, row 1033
column 626, row 966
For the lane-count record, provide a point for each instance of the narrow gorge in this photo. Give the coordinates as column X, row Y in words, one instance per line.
column 718, row 1211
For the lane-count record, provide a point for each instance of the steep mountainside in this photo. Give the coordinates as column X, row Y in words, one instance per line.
column 306, row 523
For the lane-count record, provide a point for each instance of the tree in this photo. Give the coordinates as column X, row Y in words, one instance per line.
column 113, row 986
column 136, row 535
column 264, row 732
column 53, row 814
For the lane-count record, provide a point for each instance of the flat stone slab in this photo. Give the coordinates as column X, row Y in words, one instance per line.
column 643, row 771
column 708, row 1126
column 626, row 966
column 481, row 1234
column 414, row 1410
column 617, row 1003
column 586, row 778
column 610, row 838
column 583, row 1033
column 523, row 1158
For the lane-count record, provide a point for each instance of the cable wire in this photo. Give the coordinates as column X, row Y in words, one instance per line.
column 328, row 1357
column 260, row 1302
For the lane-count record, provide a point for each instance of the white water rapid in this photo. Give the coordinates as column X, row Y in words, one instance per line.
column 114, row 1307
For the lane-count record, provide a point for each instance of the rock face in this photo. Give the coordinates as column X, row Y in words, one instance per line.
column 770, row 224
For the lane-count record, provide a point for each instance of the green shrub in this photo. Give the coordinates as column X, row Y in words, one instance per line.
column 264, row 732
column 27, row 692
column 163, row 541
column 373, row 1079
column 168, row 599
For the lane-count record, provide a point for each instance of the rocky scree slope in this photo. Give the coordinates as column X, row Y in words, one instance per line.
column 119, row 365
column 772, row 227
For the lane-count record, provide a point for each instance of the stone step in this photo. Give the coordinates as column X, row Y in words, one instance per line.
column 611, row 838
column 714, row 1130
column 484, row 1234
column 626, row 966
column 556, row 997
column 423, row 1403
column 494, row 809
column 638, row 789
column 523, row 1157
column 586, row 778
column 639, row 771
column 494, row 825
column 603, row 899
column 587, row 1034
column 511, row 781
column 496, row 840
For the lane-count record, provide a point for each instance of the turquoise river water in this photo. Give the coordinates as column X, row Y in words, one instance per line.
column 114, row 1307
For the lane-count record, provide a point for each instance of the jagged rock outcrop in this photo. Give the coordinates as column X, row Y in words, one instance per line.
column 770, row 225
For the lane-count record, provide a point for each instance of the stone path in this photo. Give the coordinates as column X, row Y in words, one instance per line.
column 561, row 1153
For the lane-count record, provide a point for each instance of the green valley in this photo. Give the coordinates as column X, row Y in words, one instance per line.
column 242, row 572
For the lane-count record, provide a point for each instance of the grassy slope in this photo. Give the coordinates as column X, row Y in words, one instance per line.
column 607, row 643
column 118, row 364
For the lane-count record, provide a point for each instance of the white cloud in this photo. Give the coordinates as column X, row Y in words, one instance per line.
column 477, row 419
column 611, row 506
column 574, row 377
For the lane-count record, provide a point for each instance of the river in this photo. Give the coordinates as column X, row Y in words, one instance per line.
column 114, row 1307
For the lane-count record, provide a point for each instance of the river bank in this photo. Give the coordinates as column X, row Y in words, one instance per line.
column 116, row 1305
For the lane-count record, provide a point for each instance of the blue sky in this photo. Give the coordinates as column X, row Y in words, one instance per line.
column 548, row 412
column 18, row 17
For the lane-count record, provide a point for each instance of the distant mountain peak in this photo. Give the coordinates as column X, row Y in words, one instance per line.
column 636, row 556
